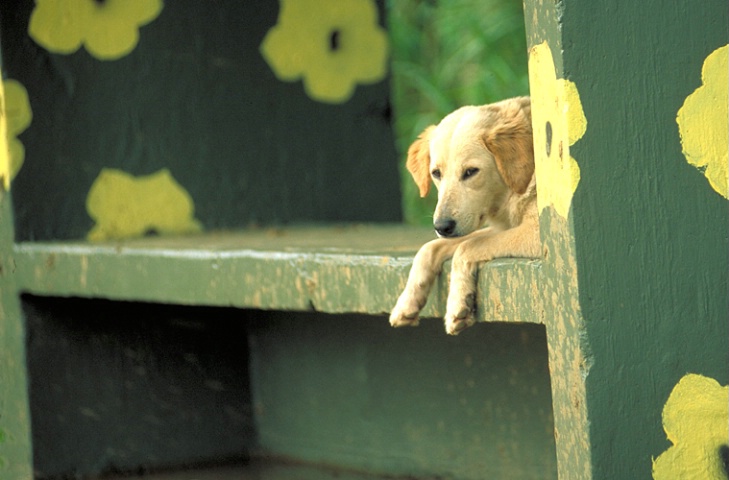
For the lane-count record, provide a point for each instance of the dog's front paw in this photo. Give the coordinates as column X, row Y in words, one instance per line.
column 405, row 312
column 460, row 314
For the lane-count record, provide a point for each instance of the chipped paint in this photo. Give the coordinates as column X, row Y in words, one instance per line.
column 264, row 277
column 84, row 271
column 569, row 358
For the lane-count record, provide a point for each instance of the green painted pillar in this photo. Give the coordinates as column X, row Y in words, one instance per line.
column 630, row 120
column 15, row 444
column 15, row 440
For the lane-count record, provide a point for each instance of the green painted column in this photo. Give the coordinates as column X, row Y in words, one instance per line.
column 15, row 444
column 630, row 121
column 15, row 441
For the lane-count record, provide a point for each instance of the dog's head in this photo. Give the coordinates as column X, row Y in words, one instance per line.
column 476, row 157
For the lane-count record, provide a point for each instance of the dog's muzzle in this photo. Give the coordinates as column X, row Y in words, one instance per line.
column 445, row 228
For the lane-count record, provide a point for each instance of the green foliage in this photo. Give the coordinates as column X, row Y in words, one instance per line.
column 447, row 54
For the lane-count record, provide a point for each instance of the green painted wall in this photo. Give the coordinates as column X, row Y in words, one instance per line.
column 118, row 386
column 115, row 386
column 348, row 390
column 196, row 96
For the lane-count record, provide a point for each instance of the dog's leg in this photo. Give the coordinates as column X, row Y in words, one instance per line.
column 427, row 265
column 519, row 242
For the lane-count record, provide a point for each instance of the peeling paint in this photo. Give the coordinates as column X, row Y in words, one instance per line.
column 84, row 271
column 568, row 352
column 264, row 277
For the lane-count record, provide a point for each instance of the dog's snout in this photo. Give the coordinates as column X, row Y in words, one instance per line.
column 445, row 227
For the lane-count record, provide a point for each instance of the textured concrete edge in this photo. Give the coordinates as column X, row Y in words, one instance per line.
column 348, row 282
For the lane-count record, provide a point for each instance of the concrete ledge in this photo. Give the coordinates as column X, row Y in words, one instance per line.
column 348, row 269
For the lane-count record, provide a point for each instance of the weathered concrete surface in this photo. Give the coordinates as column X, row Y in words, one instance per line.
column 354, row 269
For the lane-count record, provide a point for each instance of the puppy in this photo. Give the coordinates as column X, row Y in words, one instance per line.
column 481, row 159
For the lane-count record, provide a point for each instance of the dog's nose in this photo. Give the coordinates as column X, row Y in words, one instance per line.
column 445, row 228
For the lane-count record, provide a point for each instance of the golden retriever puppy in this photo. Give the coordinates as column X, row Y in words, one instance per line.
column 481, row 159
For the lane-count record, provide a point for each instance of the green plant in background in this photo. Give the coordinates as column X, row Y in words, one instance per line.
column 446, row 54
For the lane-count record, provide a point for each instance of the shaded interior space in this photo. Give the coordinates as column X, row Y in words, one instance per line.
column 159, row 391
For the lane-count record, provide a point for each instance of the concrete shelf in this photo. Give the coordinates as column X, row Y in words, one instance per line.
column 330, row 269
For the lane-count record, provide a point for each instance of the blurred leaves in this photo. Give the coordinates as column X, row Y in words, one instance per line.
column 447, row 54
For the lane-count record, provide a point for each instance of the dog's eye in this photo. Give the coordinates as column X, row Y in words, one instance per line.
column 436, row 173
column 469, row 173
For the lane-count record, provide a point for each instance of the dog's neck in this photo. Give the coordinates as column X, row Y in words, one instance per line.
column 510, row 211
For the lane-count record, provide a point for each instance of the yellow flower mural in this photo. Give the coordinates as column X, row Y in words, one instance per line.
column 4, row 148
column 696, row 421
column 124, row 206
column 331, row 44
column 558, row 122
column 703, row 121
column 109, row 29
column 18, row 116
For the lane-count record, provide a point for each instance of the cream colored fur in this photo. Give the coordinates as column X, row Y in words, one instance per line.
column 481, row 159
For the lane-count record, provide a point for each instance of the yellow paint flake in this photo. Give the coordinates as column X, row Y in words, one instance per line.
column 558, row 122
column 124, row 206
column 109, row 30
column 703, row 121
column 331, row 44
column 696, row 421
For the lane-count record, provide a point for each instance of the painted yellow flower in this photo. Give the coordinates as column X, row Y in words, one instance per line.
column 558, row 122
column 331, row 44
column 109, row 29
column 124, row 206
column 4, row 148
column 18, row 117
column 703, row 121
column 696, row 421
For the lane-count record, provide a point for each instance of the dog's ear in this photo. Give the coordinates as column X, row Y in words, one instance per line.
column 510, row 142
column 418, row 163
